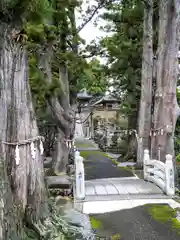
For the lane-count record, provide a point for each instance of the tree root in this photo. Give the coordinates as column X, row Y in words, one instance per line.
column 55, row 227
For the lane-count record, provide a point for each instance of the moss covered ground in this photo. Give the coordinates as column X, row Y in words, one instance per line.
column 164, row 214
column 86, row 154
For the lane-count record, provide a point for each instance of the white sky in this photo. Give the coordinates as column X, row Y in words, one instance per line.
column 90, row 32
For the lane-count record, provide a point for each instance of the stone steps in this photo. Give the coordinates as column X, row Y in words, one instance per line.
column 59, row 182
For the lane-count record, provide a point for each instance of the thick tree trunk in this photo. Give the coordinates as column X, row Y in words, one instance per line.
column 61, row 112
column 11, row 226
column 167, row 75
column 146, row 82
column 61, row 155
column 64, row 97
column 131, row 139
column 17, row 124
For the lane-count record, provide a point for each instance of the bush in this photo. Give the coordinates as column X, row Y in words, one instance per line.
column 178, row 159
column 177, row 176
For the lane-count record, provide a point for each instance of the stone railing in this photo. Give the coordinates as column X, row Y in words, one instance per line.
column 160, row 173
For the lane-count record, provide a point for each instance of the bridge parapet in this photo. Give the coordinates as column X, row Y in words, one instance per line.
column 160, row 173
column 79, row 171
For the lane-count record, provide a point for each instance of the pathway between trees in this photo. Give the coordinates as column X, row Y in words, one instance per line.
column 97, row 164
column 133, row 224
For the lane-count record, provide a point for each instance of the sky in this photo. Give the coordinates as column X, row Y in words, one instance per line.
column 90, row 32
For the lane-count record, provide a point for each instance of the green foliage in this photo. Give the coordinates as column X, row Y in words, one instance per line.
column 92, row 77
column 39, row 34
column 178, row 158
column 124, row 50
column 26, row 10
column 38, row 10
column 60, row 35
column 38, row 88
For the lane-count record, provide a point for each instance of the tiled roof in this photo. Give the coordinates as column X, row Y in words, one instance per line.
column 105, row 98
column 83, row 94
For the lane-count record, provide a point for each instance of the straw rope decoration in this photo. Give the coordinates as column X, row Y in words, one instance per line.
column 32, row 147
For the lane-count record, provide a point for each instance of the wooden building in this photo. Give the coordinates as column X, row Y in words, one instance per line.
column 106, row 108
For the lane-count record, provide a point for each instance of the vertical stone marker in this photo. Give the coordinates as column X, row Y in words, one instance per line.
column 169, row 175
column 145, row 162
column 80, row 184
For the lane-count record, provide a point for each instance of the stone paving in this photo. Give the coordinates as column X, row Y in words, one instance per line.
column 120, row 188
column 106, row 182
column 117, row 200
column 133, row 224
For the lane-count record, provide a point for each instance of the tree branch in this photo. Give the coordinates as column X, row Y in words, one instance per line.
column 58, row 113
column 69, row 43
column 100, row 5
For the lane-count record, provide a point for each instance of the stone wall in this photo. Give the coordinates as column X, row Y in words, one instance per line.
column 106, row 114
column 109, row 141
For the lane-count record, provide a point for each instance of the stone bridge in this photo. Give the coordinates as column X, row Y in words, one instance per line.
column 111, row 189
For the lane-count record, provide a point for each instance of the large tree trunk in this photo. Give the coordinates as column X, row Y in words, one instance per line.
column 61, row 112
column 18, row 124
column 10, row 217
column 146, row 82
column 131, row 138
column 167, row 74
column 64, row 97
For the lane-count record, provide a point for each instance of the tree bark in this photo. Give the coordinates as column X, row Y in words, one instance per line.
column 18, row 123
column 165, row 109
column 61, row 112
column 64, row 97
column 146, row 82
column 11, row 226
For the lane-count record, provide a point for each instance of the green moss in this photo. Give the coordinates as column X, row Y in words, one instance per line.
column 88, row 167
column 164, row 214
column 114, row 161
column 116, row 237
column 95, row 224
column 83, row 145
column 127, row 168
column 99, row 153
column 86, row 154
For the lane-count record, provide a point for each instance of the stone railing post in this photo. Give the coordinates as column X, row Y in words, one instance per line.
column 169, row 176
column 80, row 184
column 146, row 159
